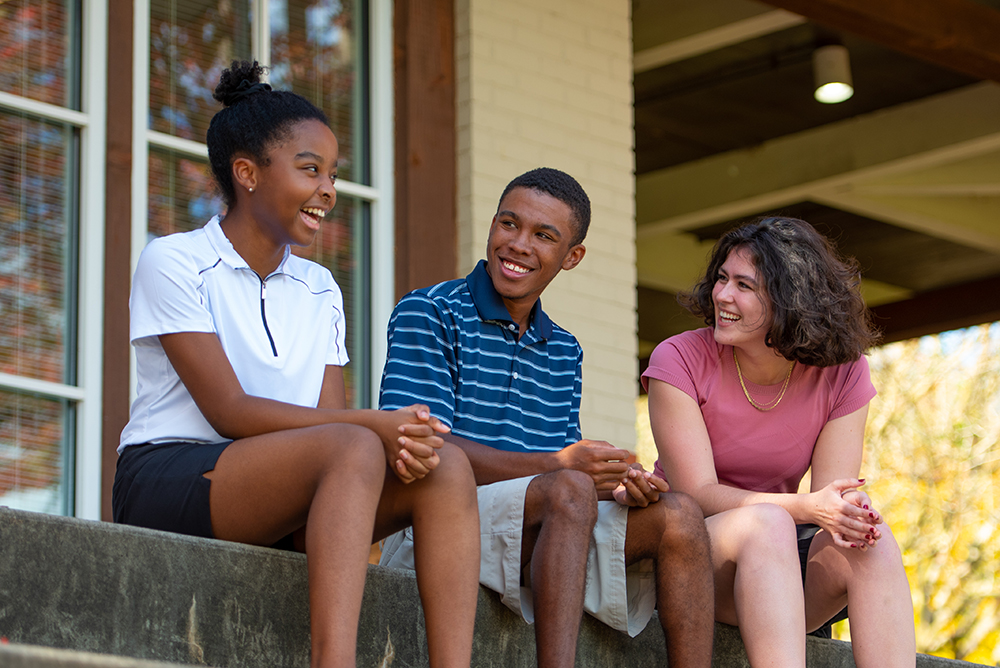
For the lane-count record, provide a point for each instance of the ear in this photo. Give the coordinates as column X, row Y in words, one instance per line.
column 245, row 173
column 574, row 256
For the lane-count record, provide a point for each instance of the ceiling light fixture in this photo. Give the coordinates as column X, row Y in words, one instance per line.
column 832, row 71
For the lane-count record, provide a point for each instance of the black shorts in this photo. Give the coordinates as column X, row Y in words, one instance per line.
column 162, row 486
column 806, row 532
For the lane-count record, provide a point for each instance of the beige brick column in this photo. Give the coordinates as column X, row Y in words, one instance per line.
column 548, row 83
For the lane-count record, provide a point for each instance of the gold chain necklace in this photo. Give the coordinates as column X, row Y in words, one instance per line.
column 771, row 404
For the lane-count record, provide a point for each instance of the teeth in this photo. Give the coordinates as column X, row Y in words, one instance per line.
column 728, row 316
column 515, row 268
column 315, row 212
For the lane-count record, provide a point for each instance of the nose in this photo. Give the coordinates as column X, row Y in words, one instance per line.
column 722, row 292
column 328, row 192
column 519, row 241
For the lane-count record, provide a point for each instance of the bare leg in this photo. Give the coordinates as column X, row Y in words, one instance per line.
column 560, row 511
column 758, row 582
column 874, row 582
column 672, row 532
column 444, row 513
column 267, row 486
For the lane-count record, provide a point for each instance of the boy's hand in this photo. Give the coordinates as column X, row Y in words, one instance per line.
column 603, row 462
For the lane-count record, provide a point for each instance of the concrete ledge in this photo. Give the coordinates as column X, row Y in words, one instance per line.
column 30, row 656
column 98, row 587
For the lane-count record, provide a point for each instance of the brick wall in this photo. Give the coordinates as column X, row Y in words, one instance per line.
column 549, row 83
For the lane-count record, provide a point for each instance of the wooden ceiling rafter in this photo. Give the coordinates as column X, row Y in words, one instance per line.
column 960, row 35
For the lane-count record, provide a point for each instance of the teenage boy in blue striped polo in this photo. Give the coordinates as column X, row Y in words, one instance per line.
column 566, row 524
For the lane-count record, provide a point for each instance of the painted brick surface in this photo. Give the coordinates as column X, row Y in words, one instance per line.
column 548, row 83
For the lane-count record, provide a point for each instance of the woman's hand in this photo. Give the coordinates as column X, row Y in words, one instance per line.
column 845, row 513
column 410, row 438
column 861, row 500
column 640, row 488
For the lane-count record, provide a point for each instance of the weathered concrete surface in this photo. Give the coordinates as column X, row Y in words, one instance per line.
column 99, row 587
column 30, row 656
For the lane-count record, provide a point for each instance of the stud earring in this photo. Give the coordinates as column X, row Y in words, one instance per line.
column 251, row 189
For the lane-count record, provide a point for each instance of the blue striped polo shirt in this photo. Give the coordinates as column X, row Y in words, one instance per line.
column 454, row 347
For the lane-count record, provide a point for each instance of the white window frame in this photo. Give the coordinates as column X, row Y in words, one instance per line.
column 379, row 195
column 87, row 393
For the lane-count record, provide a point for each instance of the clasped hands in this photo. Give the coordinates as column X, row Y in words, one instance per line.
column 848, row 515
column 629, row 485
column 411, row 440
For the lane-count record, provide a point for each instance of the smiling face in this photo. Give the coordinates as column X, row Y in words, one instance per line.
column 530, row 242
column 742, row 307
column 295, row 190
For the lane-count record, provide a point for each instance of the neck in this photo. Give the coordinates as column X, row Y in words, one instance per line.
column 762, row 367
column 520, row 313
column 260, row 252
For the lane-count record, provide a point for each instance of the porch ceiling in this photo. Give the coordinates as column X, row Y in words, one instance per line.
column 905, row 175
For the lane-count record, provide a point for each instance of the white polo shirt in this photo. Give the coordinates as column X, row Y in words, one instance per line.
column 279, row 332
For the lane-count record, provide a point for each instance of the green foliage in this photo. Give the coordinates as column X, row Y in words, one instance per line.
column 933, row 464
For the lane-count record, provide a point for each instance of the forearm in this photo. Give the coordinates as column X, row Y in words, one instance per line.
column 715, row 498
column 248, row 416
column 492, row 465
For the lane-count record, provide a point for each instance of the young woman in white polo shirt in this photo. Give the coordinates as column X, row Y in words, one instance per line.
column 240, row 430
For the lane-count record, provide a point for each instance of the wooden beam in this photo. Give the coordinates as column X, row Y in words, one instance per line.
column 940, row 310
column 711, row 40
column 936, row 130
column 960, row 35
column 426, row 207
column 117, row 244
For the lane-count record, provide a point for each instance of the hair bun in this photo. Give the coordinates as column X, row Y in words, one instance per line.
column 240, row 80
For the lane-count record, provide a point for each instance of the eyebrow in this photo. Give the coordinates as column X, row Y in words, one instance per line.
column 544, row 226
column 739, row 277
column 309, row 154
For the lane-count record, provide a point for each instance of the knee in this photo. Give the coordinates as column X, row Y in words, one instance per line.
column 569, row 496
column 886, row 553
column 353, row 449
column 683, row 521
column 767, row 527
column 454, row 471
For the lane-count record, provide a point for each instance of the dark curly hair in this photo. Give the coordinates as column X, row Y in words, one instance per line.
column 818, row 315
column 564, row 188
column 253, row 120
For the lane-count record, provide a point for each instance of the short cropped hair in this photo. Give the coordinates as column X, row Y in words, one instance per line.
column 564, row 188
column 253, row 120
column 818, row 315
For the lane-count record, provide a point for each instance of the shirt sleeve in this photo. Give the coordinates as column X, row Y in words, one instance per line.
column 166, row 294
column 855, row 390
column 420, row 366
column 573, row 432
column 675, row 362
column 336, row 354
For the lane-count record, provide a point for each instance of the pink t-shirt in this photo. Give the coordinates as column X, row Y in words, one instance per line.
column 761, row 451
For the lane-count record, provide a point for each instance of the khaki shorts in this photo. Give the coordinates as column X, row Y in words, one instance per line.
column 621, row 598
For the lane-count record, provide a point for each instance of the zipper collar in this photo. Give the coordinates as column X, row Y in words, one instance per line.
column 220, row 242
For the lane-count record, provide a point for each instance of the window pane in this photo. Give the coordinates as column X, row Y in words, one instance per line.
column 341, row 246
column 37, row 248
column 39, row 53
column 182, row 193
column 317, row 50
column 191, row 42
column 33, row 434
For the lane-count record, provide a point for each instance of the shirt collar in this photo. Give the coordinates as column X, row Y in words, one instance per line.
column 490, row 304
column 220, row 242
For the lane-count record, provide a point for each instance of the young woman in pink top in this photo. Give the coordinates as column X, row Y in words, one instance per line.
column 777, row 384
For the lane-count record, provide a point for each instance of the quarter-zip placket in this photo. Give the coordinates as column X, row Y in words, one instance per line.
column 263, row 314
